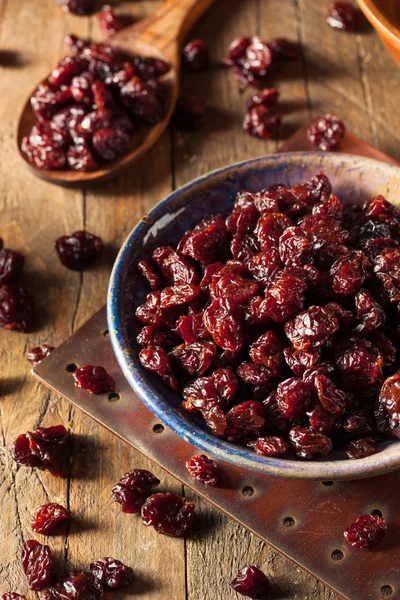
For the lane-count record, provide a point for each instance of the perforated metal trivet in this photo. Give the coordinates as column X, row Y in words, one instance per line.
column 304, row 520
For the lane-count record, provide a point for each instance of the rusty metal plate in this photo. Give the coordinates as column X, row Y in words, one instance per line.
column 302, row 519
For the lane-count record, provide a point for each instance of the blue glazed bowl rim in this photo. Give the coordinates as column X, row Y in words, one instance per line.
column 381, row 462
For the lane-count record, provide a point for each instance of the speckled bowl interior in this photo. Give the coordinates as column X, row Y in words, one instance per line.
column 354, row 179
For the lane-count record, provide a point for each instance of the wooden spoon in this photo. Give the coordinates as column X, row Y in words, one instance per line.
column 160, row 35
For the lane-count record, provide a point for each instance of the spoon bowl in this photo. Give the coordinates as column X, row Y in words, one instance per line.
column 158, row 36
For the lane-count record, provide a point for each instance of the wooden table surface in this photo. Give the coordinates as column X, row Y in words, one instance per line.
column 347, row 73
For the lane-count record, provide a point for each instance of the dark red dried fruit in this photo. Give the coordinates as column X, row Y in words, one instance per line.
column 267, row 351
column 366, row 531
column 389, row 397
column 168, row 513
column 387, row 271
column 17, row 310
column 133, row 488
column 108, row 20
column 349, row 272
column 195, row 56
column 301, row 360
column 151, row 312
column 311, row 328
column 332, row 399
column 44, row 448
column 77, row 7
column 245, row 419
column 78, row 250
column 263, row 117
column 150, row 274
column 142, row 101
column 361, row 448
column 270, row 446
column 293, row 397
column 251, row 582
column 156, row 360
column 343, row 16
column 11, row 264
column 326, row 132
column 110, row 143
column 221, row 320
column 50, row 518
column 79, row 158
column 79, row 585
column 12, row 596
column 204, row 469
column 95, row 379
column 370, row 314
column 360, row 367
column 111, row 572
column 308, row 444
column 39, row 353
column 37, row 564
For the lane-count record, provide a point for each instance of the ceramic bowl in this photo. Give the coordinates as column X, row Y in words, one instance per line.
column 354, row 179
column 384, row 16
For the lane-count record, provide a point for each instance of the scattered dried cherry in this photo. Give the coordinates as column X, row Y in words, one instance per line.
column 326, row 132
column 111, row 572
column 77, row 7
column 44, row 448
column 37, row 564
column 251, row 582
column 168, row 513
column 17, row 311
column 11, row 264
column 12, row 596
column 133, row 488
column 78, row 250
column 366, row 531
column 263, row 118
column 204, row 469
column 95, row 379
column 343, row 16
column 195, row 56
column 50, row 518
column 108, row 20
column 78, row 585
column 39, row 353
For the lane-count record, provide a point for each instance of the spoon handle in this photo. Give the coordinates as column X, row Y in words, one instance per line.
column 169, row 25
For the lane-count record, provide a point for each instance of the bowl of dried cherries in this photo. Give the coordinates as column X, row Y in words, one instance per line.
column 255, row 311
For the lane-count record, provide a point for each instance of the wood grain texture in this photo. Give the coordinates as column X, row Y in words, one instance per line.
column 349, row 74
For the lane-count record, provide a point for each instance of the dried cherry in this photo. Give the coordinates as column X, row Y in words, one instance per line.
column 95, row 379
column 112, row 573
column 133, row 488
column 37, row 564
column 78, row 250
column 326, row 132
column 366, row 531
column 39, row 353
column 168, row 513
column 204, row 469
column 50, row 518
column 44, row 448
column 251, row 582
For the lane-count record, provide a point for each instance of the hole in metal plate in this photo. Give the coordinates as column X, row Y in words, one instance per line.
column 289, row 522
column 158, row 428
column 337, row 555
column 113, row 397
column 327, row 483
column 386, row 590
column 248, row 490
column 377, row 512
column 71, row 368
column 105, row 333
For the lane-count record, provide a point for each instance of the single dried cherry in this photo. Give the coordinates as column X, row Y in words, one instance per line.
column 133, row 488
column 326, row 132
column 39, row 353
column 270, row 446
column 343, row 16
column 79, row 585
column 195, row 56
column 111, row 572
column 95, row 379
column 251, row 582
column 361, row 448
column 204, row 469
column 11, row 264
column 44, row 448
column 108, row 20
column 78, row 250
column 168, row 513
column 308, row 444
column 50, row 518
column 17, row 311
column 37, row 564
column 366, row 531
